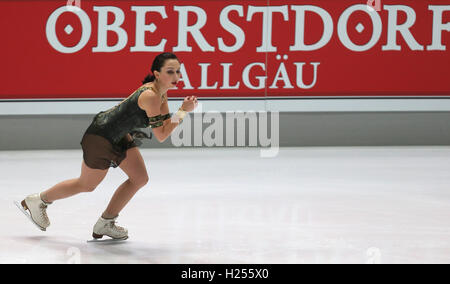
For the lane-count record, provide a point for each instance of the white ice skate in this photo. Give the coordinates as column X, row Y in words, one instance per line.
column 37, row 210
column 107, row 227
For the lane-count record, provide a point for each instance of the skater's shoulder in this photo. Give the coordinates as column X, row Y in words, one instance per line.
column 149, row 98
column 149, row 89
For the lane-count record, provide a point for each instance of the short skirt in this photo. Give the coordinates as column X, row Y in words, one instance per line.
column 100, row 153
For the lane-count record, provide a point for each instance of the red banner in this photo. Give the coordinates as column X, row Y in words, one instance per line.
column 228, row 49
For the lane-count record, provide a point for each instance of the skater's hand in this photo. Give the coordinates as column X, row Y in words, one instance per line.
column 189, row 103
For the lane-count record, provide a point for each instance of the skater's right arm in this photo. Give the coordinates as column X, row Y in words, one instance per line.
column 152, row 103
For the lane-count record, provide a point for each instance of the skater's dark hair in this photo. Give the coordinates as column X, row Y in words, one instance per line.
column 158, row 62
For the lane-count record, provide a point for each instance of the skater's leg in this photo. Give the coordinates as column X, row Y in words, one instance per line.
column 133, row 165
column 87, row 182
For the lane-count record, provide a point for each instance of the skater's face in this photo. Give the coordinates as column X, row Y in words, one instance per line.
column 170, row 73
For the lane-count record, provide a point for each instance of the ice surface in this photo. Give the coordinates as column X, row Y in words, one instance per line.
column 229, row 205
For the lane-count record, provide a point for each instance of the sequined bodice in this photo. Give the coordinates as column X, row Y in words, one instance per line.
column 121, row 119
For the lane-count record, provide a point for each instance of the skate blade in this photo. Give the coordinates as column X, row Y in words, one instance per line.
column 28, row 215
column 107, row 240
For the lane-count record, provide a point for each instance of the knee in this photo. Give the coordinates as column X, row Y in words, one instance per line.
column 141, row 181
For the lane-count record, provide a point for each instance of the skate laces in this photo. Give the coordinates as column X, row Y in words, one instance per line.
column 112, row 225
column 43, row 211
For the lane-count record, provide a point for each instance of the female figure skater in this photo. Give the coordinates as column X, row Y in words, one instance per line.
column 110, row 141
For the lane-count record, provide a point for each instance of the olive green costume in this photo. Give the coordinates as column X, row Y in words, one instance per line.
column 105, row 141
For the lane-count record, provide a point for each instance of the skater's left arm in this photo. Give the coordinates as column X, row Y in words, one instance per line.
column 164, row 111
column 169, row 124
